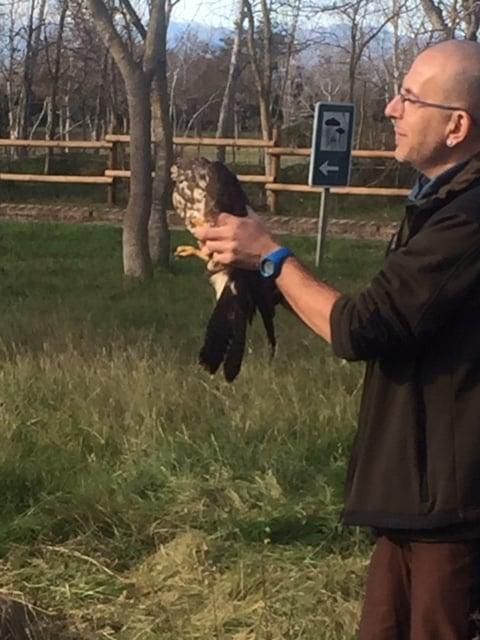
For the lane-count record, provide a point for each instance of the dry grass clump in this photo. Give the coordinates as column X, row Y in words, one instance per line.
column 192, row 587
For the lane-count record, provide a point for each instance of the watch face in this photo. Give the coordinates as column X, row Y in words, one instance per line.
column 268, row 268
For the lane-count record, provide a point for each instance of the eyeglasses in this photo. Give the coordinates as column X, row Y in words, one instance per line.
column 446, row 107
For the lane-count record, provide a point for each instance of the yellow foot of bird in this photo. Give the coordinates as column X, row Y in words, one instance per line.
column 187, row 251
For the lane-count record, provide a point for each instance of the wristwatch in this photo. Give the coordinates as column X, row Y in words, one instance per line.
column 271, row 264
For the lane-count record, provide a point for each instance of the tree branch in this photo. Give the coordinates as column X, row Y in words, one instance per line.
column 251, row 47
column 472, row 19
column 112, row 40
column 435, row 15
column 134, row 18
column 155, row 36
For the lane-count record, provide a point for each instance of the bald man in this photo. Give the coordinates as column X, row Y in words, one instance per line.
column 414, row 471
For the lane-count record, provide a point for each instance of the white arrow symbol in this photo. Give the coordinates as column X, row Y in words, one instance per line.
column 325, row 169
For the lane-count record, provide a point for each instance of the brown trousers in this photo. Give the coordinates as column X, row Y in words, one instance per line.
column 422, row 591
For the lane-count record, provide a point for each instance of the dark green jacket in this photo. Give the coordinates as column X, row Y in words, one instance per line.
column 415, row 462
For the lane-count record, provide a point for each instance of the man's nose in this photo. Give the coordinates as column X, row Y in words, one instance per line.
column 394, row 108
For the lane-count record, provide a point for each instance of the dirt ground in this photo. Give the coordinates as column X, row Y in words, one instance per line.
column 113, row 215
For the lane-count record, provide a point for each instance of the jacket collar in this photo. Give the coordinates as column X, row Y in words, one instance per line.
column 434, row 195
column 425, row 187
column 448, row 185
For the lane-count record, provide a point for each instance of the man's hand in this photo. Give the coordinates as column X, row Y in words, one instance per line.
column 243, row 242
column 240, row 242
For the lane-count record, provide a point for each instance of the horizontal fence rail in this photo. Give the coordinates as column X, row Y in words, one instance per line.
column 56, row 144
column 26, row 177
column 306, row 152
column 345, row 191
column 126, row 174
column 205, row 142
column 270, row 181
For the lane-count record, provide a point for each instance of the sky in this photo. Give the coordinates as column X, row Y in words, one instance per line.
column 212, row 12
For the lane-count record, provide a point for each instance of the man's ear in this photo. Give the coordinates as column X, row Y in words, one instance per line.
column 458, row 128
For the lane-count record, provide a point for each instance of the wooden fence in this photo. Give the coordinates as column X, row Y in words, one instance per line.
column 271, row 183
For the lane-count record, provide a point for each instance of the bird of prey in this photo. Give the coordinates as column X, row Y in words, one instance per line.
column 202, row 191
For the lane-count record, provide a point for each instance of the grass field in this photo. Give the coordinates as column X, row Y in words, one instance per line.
column 142, row 499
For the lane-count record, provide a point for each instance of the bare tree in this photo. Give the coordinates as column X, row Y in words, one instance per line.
column 137, row 64
column 396, row 67
column 435, row 14
column 55, row 75
column 158, row 231
column 159, row 236
column 233, row 73
column 10, row 72
column 18, row 63
column 291, row 46
column 471, row 11
column 261, row 59
column 35, row 24
column 96, row 132
column 265, row 65
column 453, row 17
column 365, row 22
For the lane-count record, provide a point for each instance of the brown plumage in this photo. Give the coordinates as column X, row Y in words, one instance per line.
column 202, row 190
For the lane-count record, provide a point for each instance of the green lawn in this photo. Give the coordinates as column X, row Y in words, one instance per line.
column 143, row 499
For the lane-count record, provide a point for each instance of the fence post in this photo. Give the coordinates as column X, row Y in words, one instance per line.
column 322, row 226
column 273, row 166
column 112, row 164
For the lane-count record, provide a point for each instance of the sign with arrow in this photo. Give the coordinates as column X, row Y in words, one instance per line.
column 330, row 160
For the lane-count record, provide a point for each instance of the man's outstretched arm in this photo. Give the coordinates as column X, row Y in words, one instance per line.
column 309, row 298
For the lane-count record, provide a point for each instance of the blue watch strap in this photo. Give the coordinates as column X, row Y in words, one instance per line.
column 271, row 264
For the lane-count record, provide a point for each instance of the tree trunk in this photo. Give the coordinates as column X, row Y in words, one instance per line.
column 84, row 121
column 53, row 119
column 138, row 77
column 396, row 74
column 435, row 14
column 32, row 48
column 14, row 98
column 266, row 125
column 361, row 122
column 3, row 117
column 99, row 102
column 233, row 73
column 68, row 114
column 352, row 64
column 61, row 125
column 472, row 19
column 236, row 130
column 262, row 74
column 116, row 123
column 136, row 257
column 158, row 232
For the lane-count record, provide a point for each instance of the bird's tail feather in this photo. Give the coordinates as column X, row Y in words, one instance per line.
column 236, row 346
column 226, row 333
column 262, row 292
column 218, row 333
column 225, row 337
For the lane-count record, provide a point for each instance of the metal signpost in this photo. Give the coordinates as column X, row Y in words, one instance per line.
column 331, row 156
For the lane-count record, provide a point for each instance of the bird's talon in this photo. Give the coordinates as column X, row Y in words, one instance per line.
column 186, row 251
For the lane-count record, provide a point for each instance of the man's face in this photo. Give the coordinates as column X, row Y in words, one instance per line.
column 421, row 130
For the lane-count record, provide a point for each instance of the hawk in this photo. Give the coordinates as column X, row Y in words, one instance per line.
column 202, row 191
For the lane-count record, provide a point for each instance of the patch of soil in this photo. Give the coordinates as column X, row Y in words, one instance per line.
column 114, row 215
